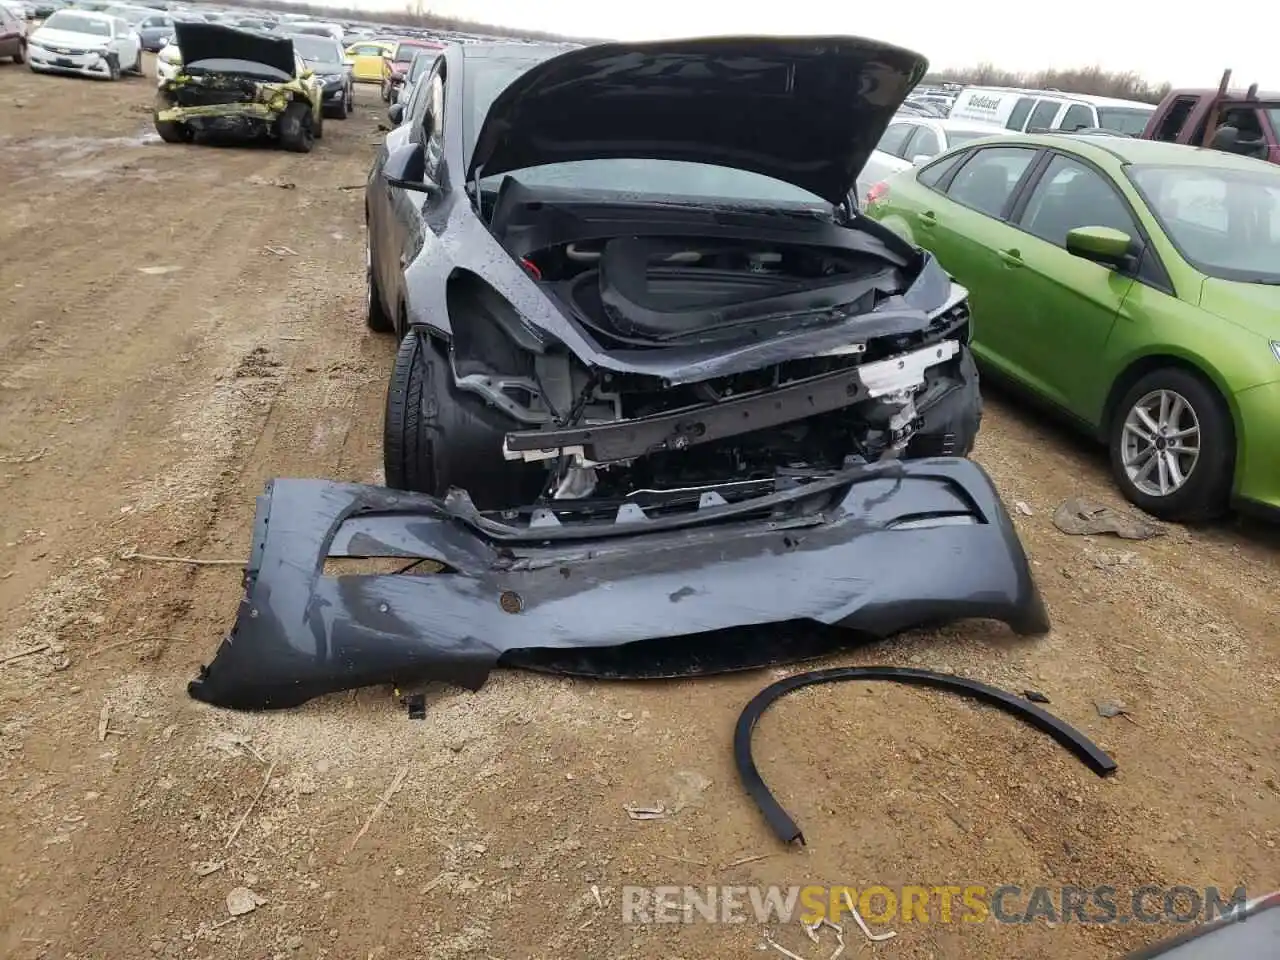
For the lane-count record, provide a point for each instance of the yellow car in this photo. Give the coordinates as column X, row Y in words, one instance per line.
column 366, row 57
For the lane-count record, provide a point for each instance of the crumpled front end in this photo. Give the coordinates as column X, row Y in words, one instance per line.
column 227, row 105
column 870, row 551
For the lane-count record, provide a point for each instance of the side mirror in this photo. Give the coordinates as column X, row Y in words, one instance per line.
column 1227, row 139
column 395, row 113
column 920, row 159
column 406, row 168
column 1104, row 245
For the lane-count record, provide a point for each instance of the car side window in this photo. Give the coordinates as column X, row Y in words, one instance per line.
column 1177, row 115
column 933, row 174
column 1077, row 118
column 895, row 138
column 925, row 143
column 1071, row 194
column 1042, row 116
column 988, row 178
column 435, row 95
column 1018, row 116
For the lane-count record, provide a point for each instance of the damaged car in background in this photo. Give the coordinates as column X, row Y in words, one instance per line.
column 238, row 84
column 658, row 382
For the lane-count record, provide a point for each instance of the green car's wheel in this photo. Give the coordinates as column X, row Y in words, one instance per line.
column 1173, row 446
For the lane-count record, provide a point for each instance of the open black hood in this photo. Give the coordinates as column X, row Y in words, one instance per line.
column 804, row 110
column 213, row 41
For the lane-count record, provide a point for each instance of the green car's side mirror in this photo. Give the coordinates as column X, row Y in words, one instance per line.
column 1104, row 245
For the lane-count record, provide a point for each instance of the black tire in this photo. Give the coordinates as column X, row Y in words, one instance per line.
column 319, row 124
column 340, row 111
column 138, row 69
column 386, row 92
column 1204, row 493
column 376, row 317
column 171, row 132
column 296, row 134
column 436, row 437
column 113, row 67
column 21, row 56
column 351, row 100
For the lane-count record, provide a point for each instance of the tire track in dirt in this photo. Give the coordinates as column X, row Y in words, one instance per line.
column 161, row 422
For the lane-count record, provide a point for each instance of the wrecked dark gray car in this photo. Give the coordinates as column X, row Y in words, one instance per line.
column 639, row 267
column 659, row 382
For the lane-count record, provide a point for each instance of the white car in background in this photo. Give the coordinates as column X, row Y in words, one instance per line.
column 912, row 141
column 168, row 62
column 87, row 43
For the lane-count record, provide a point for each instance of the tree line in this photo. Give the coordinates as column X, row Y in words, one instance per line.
column 422, row 20
column 1090, row 80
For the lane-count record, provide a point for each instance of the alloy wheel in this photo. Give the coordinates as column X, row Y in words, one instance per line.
column 1161, row 443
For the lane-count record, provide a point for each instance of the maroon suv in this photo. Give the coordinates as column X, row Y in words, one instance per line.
column 13, row 36
column 396, row 63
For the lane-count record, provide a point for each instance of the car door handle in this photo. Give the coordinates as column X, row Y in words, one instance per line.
column 927, row 219
column 1011, row 258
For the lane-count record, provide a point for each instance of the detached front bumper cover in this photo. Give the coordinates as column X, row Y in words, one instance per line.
column 874, row 550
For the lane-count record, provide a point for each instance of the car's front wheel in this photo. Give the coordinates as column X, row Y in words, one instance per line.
column 21, row 55
column 113, row 67
column 171, row 132
column 296, row 134
column 1172, row 446
column 436, row 436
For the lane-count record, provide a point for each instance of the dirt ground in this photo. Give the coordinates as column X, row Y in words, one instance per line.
column 158, row 363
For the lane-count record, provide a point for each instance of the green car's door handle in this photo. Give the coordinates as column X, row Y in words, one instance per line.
column 1011, row 257
column 927, row 219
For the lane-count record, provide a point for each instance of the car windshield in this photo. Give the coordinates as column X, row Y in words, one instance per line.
column 1128, row 120
column 420, row 65
column 75, row 23
column 488, row 77
column 407, row 51
column 130, row 14
column 317, row 49
column 1225, row 222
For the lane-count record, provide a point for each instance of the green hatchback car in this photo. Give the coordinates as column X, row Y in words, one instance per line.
column 1134, row 285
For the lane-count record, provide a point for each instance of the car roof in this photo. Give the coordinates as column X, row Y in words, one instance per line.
column 1233, row 94
column 91, row 14
column 1062, row 95
column 1127, row 150
column 522, row 51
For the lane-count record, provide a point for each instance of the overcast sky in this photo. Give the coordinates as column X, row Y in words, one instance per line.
column 1160, row 41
